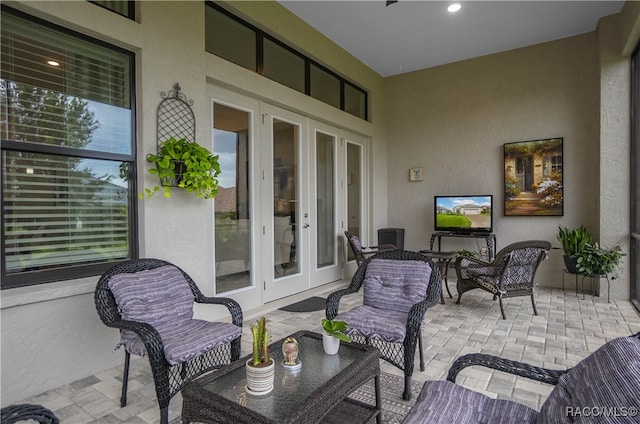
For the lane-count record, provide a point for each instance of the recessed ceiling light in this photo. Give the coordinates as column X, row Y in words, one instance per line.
column 454, row 7
column 53, row 62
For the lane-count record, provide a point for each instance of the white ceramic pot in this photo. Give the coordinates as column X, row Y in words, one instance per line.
column 260, row 379
column 331, row 344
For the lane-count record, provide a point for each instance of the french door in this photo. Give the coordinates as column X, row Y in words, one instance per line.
column 325, row 253
column 300, row 195
column 281, row 209
column 353, row 152
column 285, row 203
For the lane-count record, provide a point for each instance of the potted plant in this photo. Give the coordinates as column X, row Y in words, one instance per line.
column 573, row 242
column 260, row 367
column 467, row 253
column 595, row 261
column 185, row 164
column 334, row 332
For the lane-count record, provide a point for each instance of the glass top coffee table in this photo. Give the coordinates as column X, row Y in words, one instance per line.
column 317, row 392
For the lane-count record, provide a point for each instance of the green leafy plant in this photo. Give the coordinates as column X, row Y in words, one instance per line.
column 260, row 343
column 187, row 165
column 337, row 329
column 595, row 260
column 467, row 253
column 573, row 241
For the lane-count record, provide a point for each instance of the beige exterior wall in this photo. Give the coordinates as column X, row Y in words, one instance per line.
column 51, row 335
column 452, row 120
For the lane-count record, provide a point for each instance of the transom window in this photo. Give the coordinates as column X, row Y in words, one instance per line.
column 239, row 42
column 66, row 130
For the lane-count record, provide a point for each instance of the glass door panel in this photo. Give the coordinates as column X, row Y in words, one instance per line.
column 326, row 216
column 354, row 192
column 285, row 212
column 326, row 202
column 232, row 203
column 285, row 198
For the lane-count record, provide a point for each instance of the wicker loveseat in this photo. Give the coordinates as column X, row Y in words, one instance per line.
column 602, row 388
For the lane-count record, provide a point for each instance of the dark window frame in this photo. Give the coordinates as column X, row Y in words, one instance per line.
column 37, row 277
column 261, row 35
column 131, row 9
column 634, row 229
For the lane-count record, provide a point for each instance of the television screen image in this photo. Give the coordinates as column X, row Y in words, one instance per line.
column 464, row 214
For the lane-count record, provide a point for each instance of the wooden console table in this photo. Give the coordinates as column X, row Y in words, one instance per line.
column 489, row 238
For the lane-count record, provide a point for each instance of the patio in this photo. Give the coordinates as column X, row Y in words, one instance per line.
column 567, row 329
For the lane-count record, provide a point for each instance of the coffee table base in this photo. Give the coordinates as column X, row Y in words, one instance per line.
column 354, row 409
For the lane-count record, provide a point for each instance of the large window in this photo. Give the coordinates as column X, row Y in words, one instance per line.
column 66, row 128
column 121, row 7
column 239, row 42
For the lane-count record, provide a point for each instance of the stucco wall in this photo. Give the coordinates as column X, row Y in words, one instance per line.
column 51, row 334
column 454, row 120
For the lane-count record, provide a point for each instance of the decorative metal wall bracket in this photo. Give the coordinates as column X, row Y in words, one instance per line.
column 175, row 116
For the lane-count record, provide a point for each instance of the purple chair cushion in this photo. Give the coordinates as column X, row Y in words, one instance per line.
column 355, row 241
column 184, row 340
column 155, row 296
column 608, row 378
column 444, row 402
column 383, row 324
column 395, row 285
column 162, row 298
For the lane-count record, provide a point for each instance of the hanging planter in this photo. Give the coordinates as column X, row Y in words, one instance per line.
column 185, row 164
column 179, row 169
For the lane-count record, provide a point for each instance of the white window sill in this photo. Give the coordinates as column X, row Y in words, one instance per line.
column 18, row 296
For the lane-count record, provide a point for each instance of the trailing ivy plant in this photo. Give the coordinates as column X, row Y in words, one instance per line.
column 185, row 164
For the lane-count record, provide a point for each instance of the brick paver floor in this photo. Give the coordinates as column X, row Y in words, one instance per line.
column 566, row 330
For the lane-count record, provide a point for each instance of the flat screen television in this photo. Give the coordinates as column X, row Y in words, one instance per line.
column 463, row 214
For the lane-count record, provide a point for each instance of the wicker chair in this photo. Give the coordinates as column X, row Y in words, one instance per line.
column 151, row 302
column 362, row 253
column 27, row 412
column 510, row 274
column 399, row 287
column 601, row 388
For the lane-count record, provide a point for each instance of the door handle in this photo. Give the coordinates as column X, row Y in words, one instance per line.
column 305, row 225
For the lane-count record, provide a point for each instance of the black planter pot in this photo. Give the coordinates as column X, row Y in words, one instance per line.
column 179, row 170
column 571, row 264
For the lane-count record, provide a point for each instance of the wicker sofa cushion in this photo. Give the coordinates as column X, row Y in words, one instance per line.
column 153, row 296
column 355, row 242
column 608, row 378
column 382, row 324
column 162, row 298
column 184, row 340
column 396, row 285
column 444, row 402
column 157, row 296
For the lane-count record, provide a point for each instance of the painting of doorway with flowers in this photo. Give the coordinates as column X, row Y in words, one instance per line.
column 533, row 183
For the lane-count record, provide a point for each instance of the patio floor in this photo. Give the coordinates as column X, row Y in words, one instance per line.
column 567, row 329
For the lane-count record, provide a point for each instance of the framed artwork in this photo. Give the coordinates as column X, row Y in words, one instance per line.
column 533, row 178
column 416, row 174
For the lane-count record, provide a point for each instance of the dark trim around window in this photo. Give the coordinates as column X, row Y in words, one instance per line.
column 61, row 273
column 261, row 35
column 130, row 13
